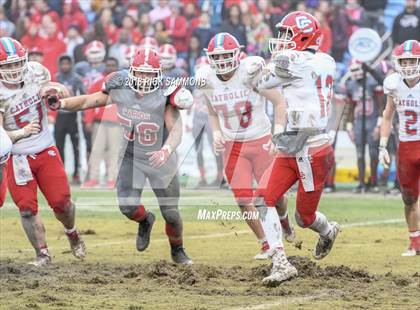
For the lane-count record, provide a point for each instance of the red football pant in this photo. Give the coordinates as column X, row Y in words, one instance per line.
column 242, row 162
column 408, row 169
column 3, row 187
column 284, row 172
column 49, row 175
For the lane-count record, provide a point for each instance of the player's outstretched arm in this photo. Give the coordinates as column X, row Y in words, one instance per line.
column 84, row 102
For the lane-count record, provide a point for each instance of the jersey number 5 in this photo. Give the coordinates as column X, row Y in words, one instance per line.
column 25, row 117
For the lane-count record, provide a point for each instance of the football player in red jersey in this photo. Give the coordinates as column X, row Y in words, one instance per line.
column 152, row 127
column 35, row 161
column 403, row 95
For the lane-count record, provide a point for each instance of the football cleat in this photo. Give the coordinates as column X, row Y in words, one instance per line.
column 288, row 230
column 411, row 252
column 77, row 245
column 90, row 184
column 325, row 243
column 41, row 260
column 145, row 229
column 281, row 271
column 179, row 256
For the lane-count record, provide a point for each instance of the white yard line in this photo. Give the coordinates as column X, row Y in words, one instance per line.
column 5, row 252
column 288, row 301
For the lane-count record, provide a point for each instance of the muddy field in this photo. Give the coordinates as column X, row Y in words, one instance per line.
column 160, row 284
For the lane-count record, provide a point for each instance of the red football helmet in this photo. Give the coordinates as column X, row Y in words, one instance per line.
column 145, row 74
column 13, row 60
column 297, row 31
column 223, row 53
column 95, row 52
column 406, row 58
column 149, row 42
column 167, row 54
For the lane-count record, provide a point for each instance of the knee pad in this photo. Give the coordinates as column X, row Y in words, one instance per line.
column 408, row 199
column 128, row 211
column 61, row 205
column 304, row 220
column 171, row 214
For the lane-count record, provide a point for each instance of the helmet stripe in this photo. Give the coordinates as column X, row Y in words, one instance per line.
column 220, row 38
column 408, row 46
column 9, row 46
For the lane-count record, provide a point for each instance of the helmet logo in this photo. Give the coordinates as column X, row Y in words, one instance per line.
column 303, row 22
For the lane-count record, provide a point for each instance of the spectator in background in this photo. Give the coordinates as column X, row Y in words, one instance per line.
column 17, row 9
column 145, row 27
column 339, row 26
column 72, row 39
column 233, row 25
column 356, row 15
column 190, row 13
column 66, row 122
column 161, row 35
column 326, row 39
column 7, row 28
column 374, row 10
column 258, row 34
column 73, row 15
column 105, row 18
column 176, row 27
column 32, row 39
column 204, row 30
column 194, row 52
column 407, row 24
column 52, row 45
column 39, row 10
column 160, row 12
column 35, row 54
column 119, row 49
column 103, row 123
column 129, row 26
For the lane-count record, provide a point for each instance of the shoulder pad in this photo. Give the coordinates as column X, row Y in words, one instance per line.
column 114, row 80
column 38, row 73
column 391, row 83
column 203, row 76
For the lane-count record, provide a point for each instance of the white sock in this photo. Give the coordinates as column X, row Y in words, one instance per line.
column 321, row 224
column 70, row 231
column 271, row 225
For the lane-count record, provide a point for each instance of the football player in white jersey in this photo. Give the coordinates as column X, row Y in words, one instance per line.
column 35, row 161
column 403, row 95
column 241, row 128
column 304, row 152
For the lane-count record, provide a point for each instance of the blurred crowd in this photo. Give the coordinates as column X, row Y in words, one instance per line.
column 58, row 33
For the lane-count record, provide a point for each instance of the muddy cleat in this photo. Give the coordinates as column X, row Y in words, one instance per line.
column 264, row 252
column 77, row 245
column 411, row 252
column 281, row 271
column 41, row 260
column 288, row 230
column 179, row 256
column 145, row 229
column 325, row 243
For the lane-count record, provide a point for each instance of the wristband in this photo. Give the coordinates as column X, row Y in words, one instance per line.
column 278, row 128
column 167, row 148
column 383, row 142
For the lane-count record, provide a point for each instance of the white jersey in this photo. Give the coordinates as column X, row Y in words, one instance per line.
column 5, row 146
column 407, row 104
column 22, row 105
column 240, row 109
column 307, row 84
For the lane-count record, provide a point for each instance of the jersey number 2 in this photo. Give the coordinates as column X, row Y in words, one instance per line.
column 411, row 119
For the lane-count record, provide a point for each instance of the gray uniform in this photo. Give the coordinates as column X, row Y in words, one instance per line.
column 142, row 119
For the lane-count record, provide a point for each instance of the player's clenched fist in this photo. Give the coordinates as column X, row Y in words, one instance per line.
column 52, row 93
column 219, row 142
column 384, row 157
column 158, row 158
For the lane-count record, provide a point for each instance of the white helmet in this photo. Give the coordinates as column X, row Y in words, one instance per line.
column 95, row 52
column 167, row 54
